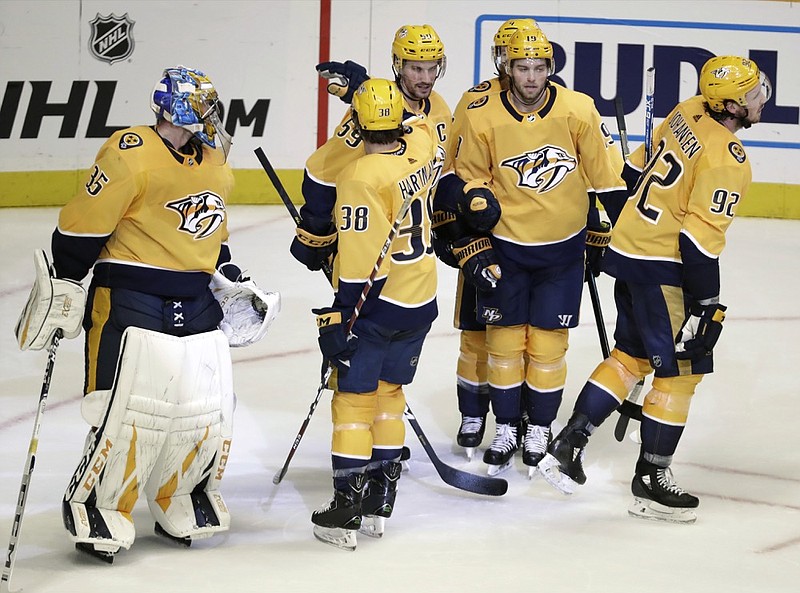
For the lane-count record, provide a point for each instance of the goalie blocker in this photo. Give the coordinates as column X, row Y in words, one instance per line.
column 166, row 432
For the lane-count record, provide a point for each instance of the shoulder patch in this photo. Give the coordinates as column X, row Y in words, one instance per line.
column 737, row 151
column 481, row 87
column 130, row 140
column 478, row 102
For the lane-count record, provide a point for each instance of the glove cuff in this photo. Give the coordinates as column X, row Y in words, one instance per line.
column 315, row 241
column 599, row 237
column 463, row 252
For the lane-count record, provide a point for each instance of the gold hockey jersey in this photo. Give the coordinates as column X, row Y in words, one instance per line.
column 150, row 218
column 344, row 147
column 370, row 194
column 539, row 166
column 692, row 186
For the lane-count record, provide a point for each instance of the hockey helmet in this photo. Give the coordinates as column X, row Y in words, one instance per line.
column 530, row 44
column 730, row 78
column 417, row 43
column 378, row 105
column 504, row 33
column 187, row 98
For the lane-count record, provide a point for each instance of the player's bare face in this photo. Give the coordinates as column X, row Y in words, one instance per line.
column 417, row 78
column 756, row 99
column 528, row 82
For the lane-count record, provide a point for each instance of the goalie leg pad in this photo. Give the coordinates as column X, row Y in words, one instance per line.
column 157, row 375
column 183, row 488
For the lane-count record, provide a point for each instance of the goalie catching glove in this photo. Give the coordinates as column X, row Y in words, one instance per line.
column 476, row 258
column 248, row 311
column 346, row 78
column 335, row 345
column 699, row 333
column 53, row 304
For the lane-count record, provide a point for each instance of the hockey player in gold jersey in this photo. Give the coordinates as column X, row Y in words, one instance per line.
column 534, row 146
column 418, row 61
column 380, row 353
column 151, row 224
column 664, row 255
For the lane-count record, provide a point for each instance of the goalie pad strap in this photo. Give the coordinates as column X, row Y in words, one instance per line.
column 311, row 240
column 462, row 254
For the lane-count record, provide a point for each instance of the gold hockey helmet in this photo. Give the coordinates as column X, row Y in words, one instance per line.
column 530, row 44
column 504, row 33
column 730, row 78
column 417, row 43
column 378, row 105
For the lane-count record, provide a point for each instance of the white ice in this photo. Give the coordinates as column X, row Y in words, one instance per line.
column 739, row 454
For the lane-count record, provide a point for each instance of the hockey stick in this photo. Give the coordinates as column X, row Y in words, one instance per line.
column 30, row 462
column 630, row 408
column 450, row 475
column 649, row 104
column 287, row 201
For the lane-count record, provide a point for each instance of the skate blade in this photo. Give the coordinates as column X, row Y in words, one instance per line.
column 344, row 539
column 99, row 551
column 470, row 452
column 183, row 541
column 636, row 437
column 372, row 526
column 533, row 471
column 550, row 469
column 653, row 511
column 493, row 470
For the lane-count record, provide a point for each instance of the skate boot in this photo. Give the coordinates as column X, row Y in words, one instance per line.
column 470, row 434
column 337, row 522
column 659, row 498
column 537, row 439
column 103, row 552
column 378, row 502
column 500, row 454
column 562, row 466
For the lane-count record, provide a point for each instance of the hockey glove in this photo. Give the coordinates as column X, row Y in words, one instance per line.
column 335, row 345
column 476, row 258
column 596, row 242
column 479, row 208
column 315, row 243
column 346, row 78
column 700, row 332
column 443, row 225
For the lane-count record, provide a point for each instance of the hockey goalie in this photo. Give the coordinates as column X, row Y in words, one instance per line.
column 164, row 306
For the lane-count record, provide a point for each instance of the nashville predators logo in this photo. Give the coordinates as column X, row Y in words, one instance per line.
column 542, row 169
column 201, row 214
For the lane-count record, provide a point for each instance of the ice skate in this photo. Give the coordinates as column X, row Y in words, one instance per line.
column 562, row 467
column 184, row 541
column 658, row 498
column 103, row 552
column 470, row 434
column 500, row 454
column 405, row 456
column 338, row 522
column 537, row 439
column 378, row 502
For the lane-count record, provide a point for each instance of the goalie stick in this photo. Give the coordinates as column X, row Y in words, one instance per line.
column 450, row 475
column 30, row 462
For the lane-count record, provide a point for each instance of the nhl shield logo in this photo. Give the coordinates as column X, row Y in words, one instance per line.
column 111, row 39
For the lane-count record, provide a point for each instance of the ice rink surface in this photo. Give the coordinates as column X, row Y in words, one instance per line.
column 739, row 454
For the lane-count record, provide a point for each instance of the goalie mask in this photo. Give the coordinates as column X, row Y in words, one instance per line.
column 378, row 104
column 730, row 78
column 187, row 98
column 504, row 34
column 417, row 43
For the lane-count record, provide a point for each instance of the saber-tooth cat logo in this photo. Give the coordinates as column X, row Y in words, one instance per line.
column 111, row 38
